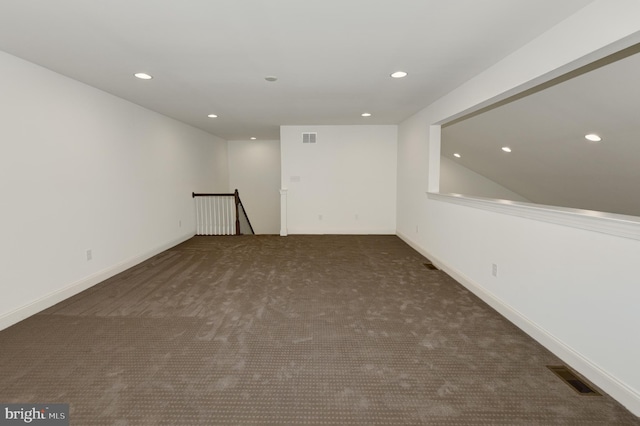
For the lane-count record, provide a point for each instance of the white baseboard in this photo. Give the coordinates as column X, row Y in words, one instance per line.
column 72, row 289
column 335, row 231
column 617, row 389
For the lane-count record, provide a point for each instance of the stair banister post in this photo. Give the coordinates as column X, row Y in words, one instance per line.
column 237, row 199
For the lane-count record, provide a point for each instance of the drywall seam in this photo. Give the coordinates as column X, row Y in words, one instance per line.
column 624, row 394
column 58, row 296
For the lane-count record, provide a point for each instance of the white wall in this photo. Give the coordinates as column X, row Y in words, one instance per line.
column 457, row 179
column 81, row 169
column 348, row 178
column 575, row 290
column 254, row 170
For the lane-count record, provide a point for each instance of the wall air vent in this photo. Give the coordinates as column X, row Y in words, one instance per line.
column 309, row 137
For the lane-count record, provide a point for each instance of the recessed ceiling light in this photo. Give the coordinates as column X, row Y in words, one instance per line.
column 457, row 155
column 143, row 76
column 366, row 114
column 253, row 139
column 271, row 78
column 506, row 149
column 593, row 137
column 212, row 116
column 399, row 74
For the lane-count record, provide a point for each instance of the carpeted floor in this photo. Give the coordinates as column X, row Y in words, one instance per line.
column 302, row 330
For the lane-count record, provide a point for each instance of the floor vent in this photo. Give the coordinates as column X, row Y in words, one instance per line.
column 431, row 266
column 572, row 380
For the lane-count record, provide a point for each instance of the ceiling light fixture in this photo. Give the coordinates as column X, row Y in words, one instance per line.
column 143, row 76
column 253, row 139
column 593, row 137
column 366, row 114
column 457, row 155
column 506, row 149
column 271, row 78
column 212, row 116
column 399, row 74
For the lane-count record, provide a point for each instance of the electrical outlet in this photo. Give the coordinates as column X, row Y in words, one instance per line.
column 89, row 254
column 319, row 217
column 179, row 224
column 494, row 269
column 357, row 216
column 416, row 229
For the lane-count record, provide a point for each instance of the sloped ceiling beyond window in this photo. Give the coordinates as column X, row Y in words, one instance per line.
column 551, row 161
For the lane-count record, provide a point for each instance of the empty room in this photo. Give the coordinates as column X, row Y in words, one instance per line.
column 319, row 212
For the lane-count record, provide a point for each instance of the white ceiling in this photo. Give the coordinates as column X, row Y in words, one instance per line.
column 332, row 57
column 551, row 162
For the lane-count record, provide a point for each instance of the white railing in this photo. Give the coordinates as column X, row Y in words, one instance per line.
column 216, row 214
column 221, row 214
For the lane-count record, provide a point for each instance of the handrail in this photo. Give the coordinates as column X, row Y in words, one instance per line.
column 230, row 194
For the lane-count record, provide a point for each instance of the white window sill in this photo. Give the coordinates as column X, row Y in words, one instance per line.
column 606, row 223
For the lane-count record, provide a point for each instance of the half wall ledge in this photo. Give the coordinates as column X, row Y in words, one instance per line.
column 607, row 223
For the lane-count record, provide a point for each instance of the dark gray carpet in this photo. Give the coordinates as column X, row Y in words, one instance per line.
column 302, row 330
